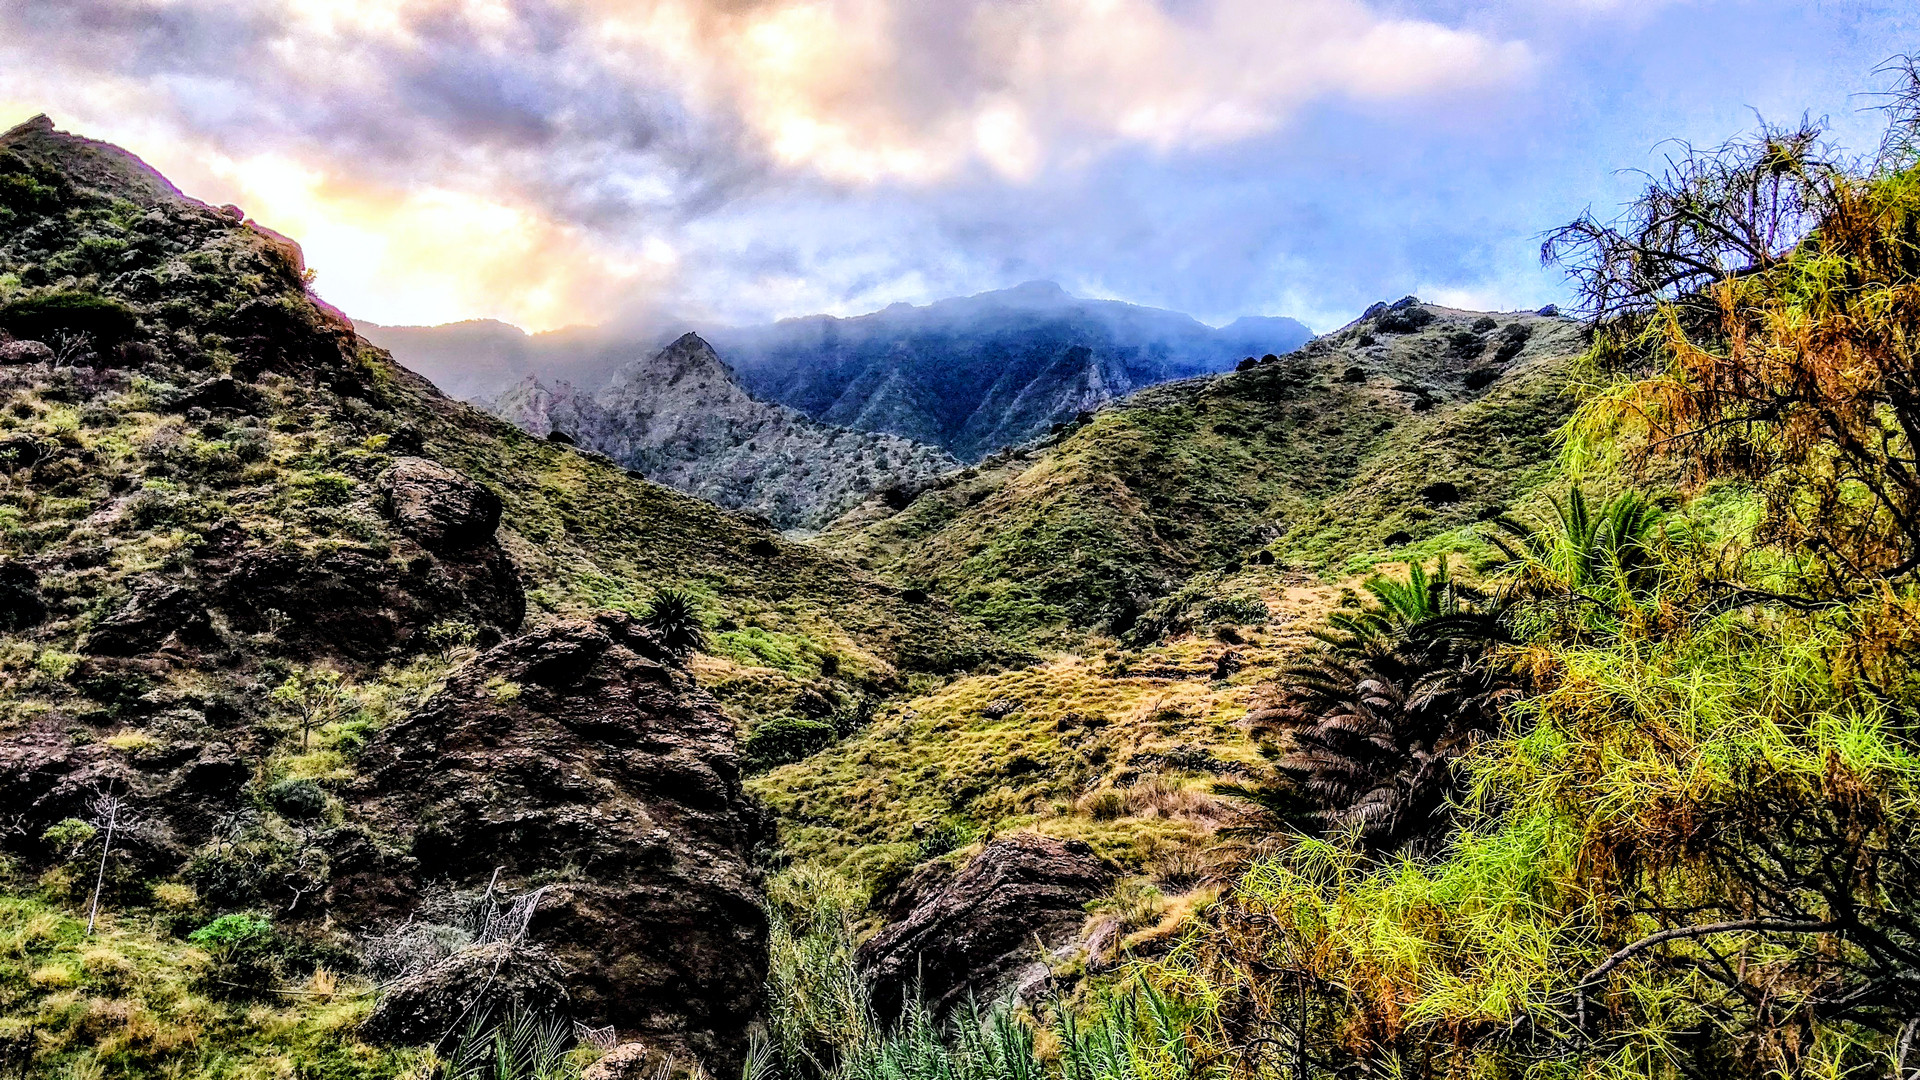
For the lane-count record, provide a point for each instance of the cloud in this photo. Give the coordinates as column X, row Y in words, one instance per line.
column 555, row 161
column 870, row 90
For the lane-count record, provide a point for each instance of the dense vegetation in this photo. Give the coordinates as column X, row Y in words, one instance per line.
column 1406, row 739
column 1638, row 797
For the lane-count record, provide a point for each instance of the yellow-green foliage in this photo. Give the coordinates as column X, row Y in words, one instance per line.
column 131, row 1002
column 1077, row 747
column 1577, row 822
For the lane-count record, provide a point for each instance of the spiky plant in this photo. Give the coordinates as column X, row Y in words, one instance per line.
column 521, row 1046
column 1379, row 713
column 674, row 618
column 1611, row 549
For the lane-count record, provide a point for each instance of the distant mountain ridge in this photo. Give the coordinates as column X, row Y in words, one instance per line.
column 976, row 373
column 679, row 417
column 969, row 374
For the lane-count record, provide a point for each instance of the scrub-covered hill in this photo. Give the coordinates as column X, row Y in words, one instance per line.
column 1408, row 424
column 297, row 653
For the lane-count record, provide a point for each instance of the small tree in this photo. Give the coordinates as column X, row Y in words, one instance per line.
column 316, row 698
column 1769, row 290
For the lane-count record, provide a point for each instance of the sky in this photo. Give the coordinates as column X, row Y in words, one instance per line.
column 561, row 162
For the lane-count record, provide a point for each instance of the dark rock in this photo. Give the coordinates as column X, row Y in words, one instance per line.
column 1263, row 558
column 25, row 352
column 1550, row 311
column 438, row 507
column 1395, row 539
column 222, row 394
column 972, row 932
column 217, row 771
column 561, row 437
column 21, row 607
column 485, row 980
column 914, row 596
column 21, row 452
column 154, row 614
column 1440, row 493
column 1355, row 374
column 1247, row 364
column 763, row 549
column 349, row 603
column 1481, row 378
column 599, row 753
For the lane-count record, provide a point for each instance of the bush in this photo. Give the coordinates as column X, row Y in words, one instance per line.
column 245, row 952
column 675, row 619
column 69, row 311
column 1245, row 609
column 299, row 800
column 785, row 739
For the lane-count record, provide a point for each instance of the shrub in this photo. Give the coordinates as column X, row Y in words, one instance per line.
column 1243, row 608
column 675, row 619
column 245, row 952
column 299, row 800
column 785, row 739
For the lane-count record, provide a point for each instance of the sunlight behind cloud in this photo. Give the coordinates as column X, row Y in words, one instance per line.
column 436, row 254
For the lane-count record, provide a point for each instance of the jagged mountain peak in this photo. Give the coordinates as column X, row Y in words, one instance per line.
column 679, row 416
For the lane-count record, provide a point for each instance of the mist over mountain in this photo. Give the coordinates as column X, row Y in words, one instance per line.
column 968, row 374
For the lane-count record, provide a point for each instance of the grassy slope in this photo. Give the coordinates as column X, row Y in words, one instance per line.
column 1201, row 475
column 132, row 490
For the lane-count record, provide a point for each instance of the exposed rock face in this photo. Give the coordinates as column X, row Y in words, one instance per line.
column 20, row 603
column 25, row 352
column 483, row 981
column 438, row 507
column 972, row 932
column 679, row 417
column 583, row 749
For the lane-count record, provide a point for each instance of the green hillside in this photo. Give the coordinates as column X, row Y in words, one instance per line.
column 1314, row 459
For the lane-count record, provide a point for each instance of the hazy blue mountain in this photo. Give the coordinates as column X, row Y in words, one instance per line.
column 977, row 373
column 970, row 374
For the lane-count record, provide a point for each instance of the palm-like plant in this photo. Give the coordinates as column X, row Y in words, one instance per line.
column 1377, row 715
column 675, row 619
column 1605, row 554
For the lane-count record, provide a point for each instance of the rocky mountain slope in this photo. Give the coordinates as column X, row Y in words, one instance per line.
column 374, row 675
column 1413, row 421
column 335, row 649
column 680, row 418
column 978, row 373
column 968, row 374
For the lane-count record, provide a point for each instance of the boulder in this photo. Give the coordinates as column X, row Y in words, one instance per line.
column 153, row 615
column 637, row 1061
column 975, row 932
column 583, row 746
column 438, row 507
column 25, row 352
column 349, row 602
column 21, row 607
column 477, row 982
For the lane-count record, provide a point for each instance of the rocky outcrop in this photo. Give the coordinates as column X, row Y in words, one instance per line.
column 485, row 981
column 440, row 509
column 21, row 605
column 583, row 752
column 972, row 932
column 680, row 418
